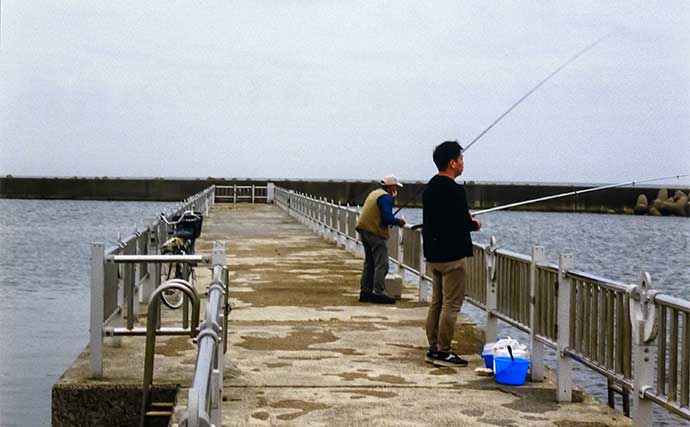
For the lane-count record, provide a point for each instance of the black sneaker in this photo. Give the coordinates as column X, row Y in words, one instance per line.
column 431, row 355
column 451, row 360
column 366, row 297
column 381, row 298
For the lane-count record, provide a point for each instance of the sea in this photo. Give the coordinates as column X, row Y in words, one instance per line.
column 44, row 283
column 44, row 278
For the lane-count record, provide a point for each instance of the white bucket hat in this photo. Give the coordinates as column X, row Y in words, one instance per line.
column 390, row 180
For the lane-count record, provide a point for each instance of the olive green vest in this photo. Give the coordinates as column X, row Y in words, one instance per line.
column 370, row 217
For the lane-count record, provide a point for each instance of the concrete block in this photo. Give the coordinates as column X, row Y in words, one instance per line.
column 394, row 285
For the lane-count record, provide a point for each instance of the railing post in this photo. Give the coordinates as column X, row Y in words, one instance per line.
column 96, row 323
column 317, row 215
column 253, row 188
column 401, row 249
column 424, row 294
column 395, row 240
column 129, row 282
column 141, row 269
column 119, row 319
column 644, row 331
column 425, row 288
column 348, row 242
column 358, row 249
column 154, row 276
column 270, row 192
column 537, row 369
column 490, row 331
column 327, row 220
column 332, row 234
column 234, row 193
column 216, row 385
column 564, row 384
column 320, row 218
column 338, row 226
column 218, row 258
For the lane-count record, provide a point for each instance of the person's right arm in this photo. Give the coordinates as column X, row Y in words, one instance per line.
column 458, row 219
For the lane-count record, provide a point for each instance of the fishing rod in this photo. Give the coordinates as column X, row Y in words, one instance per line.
column 519, row 101
column 574, row 193
column 570, row 193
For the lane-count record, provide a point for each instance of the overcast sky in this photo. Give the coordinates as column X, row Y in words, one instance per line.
column 344, row 89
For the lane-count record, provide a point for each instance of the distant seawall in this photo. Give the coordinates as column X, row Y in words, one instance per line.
column 480, row 194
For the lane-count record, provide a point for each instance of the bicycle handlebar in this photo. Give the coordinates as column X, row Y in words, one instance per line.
column 179, row 220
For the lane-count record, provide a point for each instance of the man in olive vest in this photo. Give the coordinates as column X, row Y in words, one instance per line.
column 374, row 220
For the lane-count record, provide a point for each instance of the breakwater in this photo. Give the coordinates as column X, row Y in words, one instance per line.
column 482, row 195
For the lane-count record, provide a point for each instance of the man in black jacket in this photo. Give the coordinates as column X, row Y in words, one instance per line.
column 447, row 241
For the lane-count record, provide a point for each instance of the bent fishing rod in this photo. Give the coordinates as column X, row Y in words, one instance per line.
column 570, row 193
column 525, row 96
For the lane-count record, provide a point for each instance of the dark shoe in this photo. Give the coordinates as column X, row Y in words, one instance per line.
column 365, row 297
column 451, row 360
column 431, row 355
column 382, row 298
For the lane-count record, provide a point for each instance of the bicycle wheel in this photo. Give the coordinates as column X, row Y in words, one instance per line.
column 173, row 298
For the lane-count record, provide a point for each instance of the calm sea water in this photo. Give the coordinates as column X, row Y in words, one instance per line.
column 44, row 282
column 44, row 268
column 612, row 246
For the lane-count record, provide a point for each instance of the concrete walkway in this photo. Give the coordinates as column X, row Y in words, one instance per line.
column 303, row 351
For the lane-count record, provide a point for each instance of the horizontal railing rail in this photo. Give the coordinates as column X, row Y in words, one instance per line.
column 603, row 324
column 245, row 193
column 204, row 403
column 125, row 275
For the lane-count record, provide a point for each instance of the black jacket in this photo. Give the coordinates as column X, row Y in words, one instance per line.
column 447, row 221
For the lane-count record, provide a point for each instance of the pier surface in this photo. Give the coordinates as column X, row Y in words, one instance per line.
column 303, row 350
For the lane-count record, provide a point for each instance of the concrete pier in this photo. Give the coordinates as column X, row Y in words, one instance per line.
column 304, row 351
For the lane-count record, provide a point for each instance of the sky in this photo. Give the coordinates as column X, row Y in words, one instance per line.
column 344, row 90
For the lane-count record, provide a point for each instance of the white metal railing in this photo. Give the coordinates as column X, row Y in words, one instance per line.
column 124, row 276
column 245, row 193
column 607, row 326
column 204, row 404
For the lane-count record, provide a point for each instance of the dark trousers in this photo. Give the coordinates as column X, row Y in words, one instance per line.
column 375, row 263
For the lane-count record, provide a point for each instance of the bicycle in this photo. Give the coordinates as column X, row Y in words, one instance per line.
column 186, row 228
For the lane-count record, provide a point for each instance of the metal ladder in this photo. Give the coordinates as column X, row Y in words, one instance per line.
column 155, row 414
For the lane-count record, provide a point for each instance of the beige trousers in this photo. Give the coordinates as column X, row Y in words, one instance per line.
column 446, row 301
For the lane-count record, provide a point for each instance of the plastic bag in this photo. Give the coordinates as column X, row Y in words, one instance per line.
column 500, row 348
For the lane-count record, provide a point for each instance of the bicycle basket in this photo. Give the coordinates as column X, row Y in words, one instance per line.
column 190, row 225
